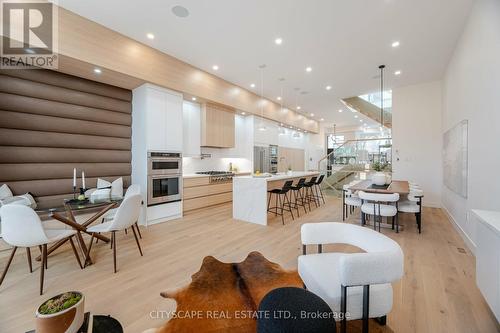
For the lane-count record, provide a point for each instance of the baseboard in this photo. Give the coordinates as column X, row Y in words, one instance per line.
column 470, row 244
column 432, row 204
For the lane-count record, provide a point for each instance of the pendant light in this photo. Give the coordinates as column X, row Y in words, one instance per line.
column 262, row 127
column 381, row 67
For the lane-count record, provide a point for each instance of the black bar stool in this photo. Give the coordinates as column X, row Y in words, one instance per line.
column 282, row 199
column 299, row 195
column 319, row 191
column 309, row 192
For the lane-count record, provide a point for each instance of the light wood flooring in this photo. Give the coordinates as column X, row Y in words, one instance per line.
column 437, row 294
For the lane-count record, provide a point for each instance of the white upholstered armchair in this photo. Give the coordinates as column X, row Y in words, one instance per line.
column 356, row 284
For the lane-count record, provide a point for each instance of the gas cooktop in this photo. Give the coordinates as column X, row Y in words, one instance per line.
column 214, row 173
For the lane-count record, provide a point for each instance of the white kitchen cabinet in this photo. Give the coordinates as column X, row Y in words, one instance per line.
column 173, row 122
column 156, row 125
column 191, row 129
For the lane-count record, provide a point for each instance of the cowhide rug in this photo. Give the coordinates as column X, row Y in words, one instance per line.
column 224, row 297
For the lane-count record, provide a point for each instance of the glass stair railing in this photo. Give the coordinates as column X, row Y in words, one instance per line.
column 354, row 159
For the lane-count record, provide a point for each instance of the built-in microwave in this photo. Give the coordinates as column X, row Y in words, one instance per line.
column 164, row 163
column 164, row 177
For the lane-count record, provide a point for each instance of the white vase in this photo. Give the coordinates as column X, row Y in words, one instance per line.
column 378, row 178
column 71, row 319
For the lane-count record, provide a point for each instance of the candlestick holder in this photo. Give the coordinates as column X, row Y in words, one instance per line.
column 74, row 192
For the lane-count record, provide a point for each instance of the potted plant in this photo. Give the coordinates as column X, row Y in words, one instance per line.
column 289, row 170
column 63, row 313
column 378, row 178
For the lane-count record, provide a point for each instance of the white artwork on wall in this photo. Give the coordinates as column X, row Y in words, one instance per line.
column 455, row 158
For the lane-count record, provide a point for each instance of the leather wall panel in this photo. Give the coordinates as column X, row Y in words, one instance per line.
column 9, row 102
column 16, row 154
column 51, row 123
column 12, row 85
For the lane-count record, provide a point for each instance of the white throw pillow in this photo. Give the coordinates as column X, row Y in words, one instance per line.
column 5, row 192
column 116, row 187
column 100, row 195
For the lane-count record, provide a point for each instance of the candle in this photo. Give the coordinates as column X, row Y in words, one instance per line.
column 74, row 177
column 83, row 180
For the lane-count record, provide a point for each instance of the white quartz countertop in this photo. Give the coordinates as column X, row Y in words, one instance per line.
column 281, row 176
column 195, row 175
column 489, row 218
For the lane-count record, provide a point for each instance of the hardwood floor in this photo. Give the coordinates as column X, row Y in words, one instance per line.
column 437, row 294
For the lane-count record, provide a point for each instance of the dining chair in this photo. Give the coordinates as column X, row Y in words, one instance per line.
column 132, row 189
column 413, row 205
column 21, row 227
column 350, row 201
column 126, row 216
column 380, row 205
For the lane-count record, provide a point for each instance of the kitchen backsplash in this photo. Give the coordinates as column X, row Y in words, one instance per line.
column 195, row 164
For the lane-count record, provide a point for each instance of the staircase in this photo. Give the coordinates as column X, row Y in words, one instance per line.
column 369, row 109
column 354, row 160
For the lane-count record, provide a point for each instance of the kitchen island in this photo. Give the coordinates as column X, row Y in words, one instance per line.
column 250, row 194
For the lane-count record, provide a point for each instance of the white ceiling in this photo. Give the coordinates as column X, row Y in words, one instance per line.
column 344, row 41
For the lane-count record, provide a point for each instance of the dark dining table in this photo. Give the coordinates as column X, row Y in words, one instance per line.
column 64, row 210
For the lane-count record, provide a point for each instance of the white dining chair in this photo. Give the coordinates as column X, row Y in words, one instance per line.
column 350, row 201
column 126, row 216
column 131, row 190
column 21, row 227
column 357, row 285
column 413, row 205
column 380, row 205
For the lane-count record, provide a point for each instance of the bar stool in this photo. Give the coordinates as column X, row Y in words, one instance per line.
column 298, row 194
column 317, row 188
column 284, row 204
column 309, row 192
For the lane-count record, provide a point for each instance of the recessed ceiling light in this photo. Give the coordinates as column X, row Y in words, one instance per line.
column 312, row 114
column 291, row 126
column 97, row 70
column 150, row 36
column 361, row 120
column 281, row 124
column 397, row 73
column 278, row 98
column 252, row 85
column 328, row 88
column 243, row 113
column 298, row 107
column 180, row 11
column 340, row 110
column 322, row 119
column 193, row 98
column 395, row 44
column 355, row 116
column 278, row 41
column 215, row 67
column 309, row 69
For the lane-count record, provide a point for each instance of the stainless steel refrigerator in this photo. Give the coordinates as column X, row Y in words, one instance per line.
column 265, row 159
column 261, row 159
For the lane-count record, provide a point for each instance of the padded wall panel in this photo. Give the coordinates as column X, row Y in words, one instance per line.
column 13, row 137
column 12, row 85
column 51, row 123
column 13, row 154
column 9, row 102
column 45, row 187
column 27, row 121
column 37, row 171
column 70, row 82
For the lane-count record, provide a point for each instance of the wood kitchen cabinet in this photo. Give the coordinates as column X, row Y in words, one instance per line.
column 217, row 126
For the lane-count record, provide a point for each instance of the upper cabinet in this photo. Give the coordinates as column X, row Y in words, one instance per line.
column 158, row 118
column 217, row 126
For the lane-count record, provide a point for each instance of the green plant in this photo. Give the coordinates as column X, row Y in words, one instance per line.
column 377, row 166
column 59, row 303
